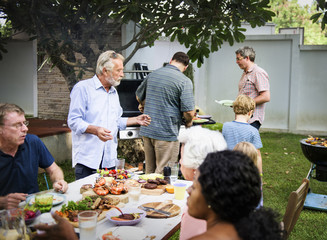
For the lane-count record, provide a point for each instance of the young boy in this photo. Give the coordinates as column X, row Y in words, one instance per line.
column 240, row 130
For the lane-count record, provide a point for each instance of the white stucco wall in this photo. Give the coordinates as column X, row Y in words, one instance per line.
column 18, row 78
column 297, row 79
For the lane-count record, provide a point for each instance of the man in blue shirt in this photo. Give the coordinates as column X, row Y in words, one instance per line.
column 168, row 96
column 95, row 117
column 21, row 155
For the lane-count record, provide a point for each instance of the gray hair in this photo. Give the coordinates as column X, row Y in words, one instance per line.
column 198, row 142
column 105, row 61
column 6, row 108
column 246, row 52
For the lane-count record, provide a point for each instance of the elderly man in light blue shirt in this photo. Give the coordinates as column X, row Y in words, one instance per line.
column 95, row 117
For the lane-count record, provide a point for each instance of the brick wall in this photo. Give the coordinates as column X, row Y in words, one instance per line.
column 53, row 92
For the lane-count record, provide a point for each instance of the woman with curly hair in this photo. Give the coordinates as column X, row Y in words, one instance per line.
column 227, row 199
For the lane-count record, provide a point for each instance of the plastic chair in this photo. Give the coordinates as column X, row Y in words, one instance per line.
column 42, row 171
column 294, row 207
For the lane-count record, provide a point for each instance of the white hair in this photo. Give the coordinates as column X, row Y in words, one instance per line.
column 198, row 142
column 105, row 61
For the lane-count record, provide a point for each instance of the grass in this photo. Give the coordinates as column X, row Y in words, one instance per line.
column 284, row 167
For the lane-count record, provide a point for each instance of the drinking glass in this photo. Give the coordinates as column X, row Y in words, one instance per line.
column 87, row 221
column 44, row 202
column 120, row 163
column 179, row 190
column 134, row 192
column 13, row 224
column 174, row 169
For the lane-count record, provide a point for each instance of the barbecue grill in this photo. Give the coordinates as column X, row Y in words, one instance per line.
column 317, row 155
column 128, row 102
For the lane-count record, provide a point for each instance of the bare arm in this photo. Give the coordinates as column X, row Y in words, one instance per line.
column 143, row 120
column 263, row 97
column 12, row 200
column 259, row 161
column 57, row 177
column 141, row 104
column 189, row 118
column 102, row 133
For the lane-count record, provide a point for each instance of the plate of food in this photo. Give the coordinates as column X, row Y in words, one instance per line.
column 57, row 199
column 123, row 232
column 98, row 204
column 200, row 120
column 128, row 216
column 227, row 103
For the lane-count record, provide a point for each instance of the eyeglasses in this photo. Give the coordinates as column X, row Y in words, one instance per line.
column 19, row 125
column 239, row 58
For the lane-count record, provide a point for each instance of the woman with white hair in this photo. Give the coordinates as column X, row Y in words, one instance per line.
column 196, row 142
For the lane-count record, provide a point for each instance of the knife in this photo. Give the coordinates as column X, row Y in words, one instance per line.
column 155, row 210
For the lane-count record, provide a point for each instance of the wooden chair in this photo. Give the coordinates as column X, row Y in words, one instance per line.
column 294, row 207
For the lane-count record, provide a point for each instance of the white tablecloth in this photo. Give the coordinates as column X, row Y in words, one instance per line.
column 156, row 228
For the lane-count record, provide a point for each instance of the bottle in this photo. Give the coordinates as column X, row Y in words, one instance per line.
column 167, row 173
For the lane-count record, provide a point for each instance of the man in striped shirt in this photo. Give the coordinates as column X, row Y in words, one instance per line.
column 253, row 83
column 168, row 96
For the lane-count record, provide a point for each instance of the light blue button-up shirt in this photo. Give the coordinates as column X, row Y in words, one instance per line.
column 91, row 104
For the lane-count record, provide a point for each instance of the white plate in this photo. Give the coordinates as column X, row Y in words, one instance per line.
column 57, row 199
column 227, row 103
column 125, row 233
column 204, row 116
column 200, row 120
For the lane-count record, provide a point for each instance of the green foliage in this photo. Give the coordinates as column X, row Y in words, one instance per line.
column 290, row 14
column 65, row 29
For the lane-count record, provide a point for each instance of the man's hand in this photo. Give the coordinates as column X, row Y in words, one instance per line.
column 143, row 120
column 63, row 230
column 104, row 134
column 60, row 186
column 12, row 200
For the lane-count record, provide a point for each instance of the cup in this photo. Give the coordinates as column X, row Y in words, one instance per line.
column 173, row 179
column 134, row 192
column 120, row 163
column 87, row 221
column 174, row 168
column 13, row 224
column 44, row 202
column 179, row 190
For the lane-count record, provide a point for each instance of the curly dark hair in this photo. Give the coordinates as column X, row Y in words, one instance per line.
column 261, row 224
column 230, row 184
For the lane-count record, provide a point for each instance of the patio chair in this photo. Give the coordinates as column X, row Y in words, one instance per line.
column 42, row 171
column 294, row 207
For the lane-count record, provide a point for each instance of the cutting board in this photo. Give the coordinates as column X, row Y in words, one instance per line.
column 157, row 191
column 167, row 206
column 122, row 198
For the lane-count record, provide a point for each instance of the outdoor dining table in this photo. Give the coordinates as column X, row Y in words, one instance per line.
column 155, row 228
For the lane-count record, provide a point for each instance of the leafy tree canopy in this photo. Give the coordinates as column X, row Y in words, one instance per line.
column 66, row 29
column 290, row 14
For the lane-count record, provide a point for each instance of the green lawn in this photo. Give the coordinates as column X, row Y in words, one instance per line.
column 284, row 167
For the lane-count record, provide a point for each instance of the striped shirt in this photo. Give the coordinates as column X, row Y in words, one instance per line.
column 235, row 132
column 167, row 93
column 252, row 82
